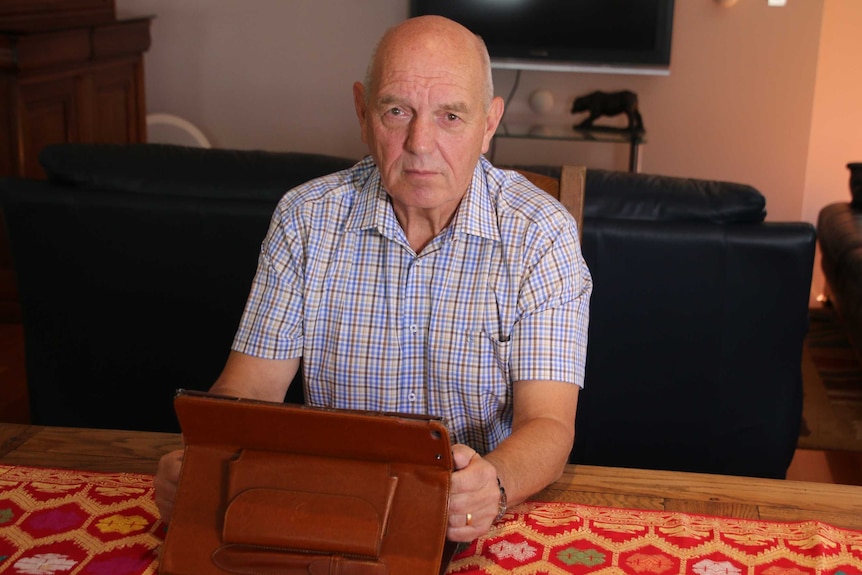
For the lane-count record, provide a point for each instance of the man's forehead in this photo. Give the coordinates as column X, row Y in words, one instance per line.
column 431, row 81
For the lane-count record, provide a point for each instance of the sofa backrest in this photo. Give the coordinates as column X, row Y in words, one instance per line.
column 178, row 171
column 133, row 273
column 650, row 197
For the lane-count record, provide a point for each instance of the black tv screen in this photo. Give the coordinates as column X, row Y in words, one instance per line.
column 566, row 34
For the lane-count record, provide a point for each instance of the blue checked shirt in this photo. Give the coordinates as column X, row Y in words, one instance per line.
column 501, row 295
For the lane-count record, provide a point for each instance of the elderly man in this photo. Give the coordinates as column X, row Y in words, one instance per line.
column 425, row 280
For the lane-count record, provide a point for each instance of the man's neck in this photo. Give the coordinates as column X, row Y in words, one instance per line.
column 421, row 226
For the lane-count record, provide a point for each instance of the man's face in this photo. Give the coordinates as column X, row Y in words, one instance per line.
column 426, row 123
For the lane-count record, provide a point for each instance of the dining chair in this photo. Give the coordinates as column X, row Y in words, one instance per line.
column 568, row 188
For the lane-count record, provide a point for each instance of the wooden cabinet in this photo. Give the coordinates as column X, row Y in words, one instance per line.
column 30, row 14
column 70, row 71
column 84, row 84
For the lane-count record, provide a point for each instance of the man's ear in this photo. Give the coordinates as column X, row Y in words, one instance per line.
column 495, row 114
column 361, row 107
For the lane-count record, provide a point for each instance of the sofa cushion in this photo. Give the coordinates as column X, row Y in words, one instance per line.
column 185, row 171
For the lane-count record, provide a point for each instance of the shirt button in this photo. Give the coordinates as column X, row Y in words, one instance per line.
column 412, row 397
column 413, row 328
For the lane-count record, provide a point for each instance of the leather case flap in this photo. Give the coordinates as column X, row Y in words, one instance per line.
column 308, row 503
column 304, row 521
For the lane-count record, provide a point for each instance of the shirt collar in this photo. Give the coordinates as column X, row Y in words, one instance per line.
column 372, row 202
column 477, row 214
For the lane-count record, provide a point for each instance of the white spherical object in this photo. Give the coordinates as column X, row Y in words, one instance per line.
column 541, row 101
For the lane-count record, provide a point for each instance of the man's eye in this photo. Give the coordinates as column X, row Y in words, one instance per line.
column 396, row 111
column 452, row 117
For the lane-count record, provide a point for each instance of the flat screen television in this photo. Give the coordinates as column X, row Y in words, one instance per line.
column 614, row 36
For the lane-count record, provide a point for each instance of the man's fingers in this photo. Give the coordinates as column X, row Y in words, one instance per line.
column 166, row 482
column 462, row 455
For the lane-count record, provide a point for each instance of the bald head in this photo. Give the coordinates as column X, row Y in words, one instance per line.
column 434, row 35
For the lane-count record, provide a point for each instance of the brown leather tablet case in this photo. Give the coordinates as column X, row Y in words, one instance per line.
column 270, row 488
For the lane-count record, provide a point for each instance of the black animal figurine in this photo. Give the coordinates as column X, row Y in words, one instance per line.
column 600, row 104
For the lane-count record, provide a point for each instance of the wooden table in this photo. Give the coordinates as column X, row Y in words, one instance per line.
column 721, row 495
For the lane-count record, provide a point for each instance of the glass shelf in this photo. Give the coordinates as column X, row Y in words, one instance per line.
column 568, row 132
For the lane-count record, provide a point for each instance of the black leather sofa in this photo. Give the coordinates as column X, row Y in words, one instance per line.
column 134, row 262
column 133, row 265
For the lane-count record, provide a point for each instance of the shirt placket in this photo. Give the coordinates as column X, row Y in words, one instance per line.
column 414, row 333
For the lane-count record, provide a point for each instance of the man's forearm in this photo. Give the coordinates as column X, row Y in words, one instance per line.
column 532, row 457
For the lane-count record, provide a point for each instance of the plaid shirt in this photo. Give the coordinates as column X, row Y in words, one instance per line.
column 501, row 295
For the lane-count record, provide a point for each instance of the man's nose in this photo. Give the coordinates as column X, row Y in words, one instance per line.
column 420, row 137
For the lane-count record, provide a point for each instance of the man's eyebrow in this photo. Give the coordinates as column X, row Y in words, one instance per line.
column 456, row 107
column 389, row 99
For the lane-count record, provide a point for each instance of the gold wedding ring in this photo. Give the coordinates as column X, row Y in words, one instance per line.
column 469, row 518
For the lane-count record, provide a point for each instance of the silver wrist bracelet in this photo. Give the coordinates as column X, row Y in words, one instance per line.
column 502, row 505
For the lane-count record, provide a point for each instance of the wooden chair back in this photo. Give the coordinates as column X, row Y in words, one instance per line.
column 568, row 188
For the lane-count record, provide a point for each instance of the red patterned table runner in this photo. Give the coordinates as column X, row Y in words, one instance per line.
column 55, row 521
column 540, row 537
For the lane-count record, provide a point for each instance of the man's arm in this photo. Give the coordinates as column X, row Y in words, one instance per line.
column 543, row 431
column 242, row 376
column 256, row 378
column 532, row 457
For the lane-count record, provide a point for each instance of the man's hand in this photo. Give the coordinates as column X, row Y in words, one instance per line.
column 166, row 482
column 532, row 457
column 474, row 497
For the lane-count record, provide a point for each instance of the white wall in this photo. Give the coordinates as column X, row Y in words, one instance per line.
column 263, row 74
column 836, row 121
column 745, row 100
